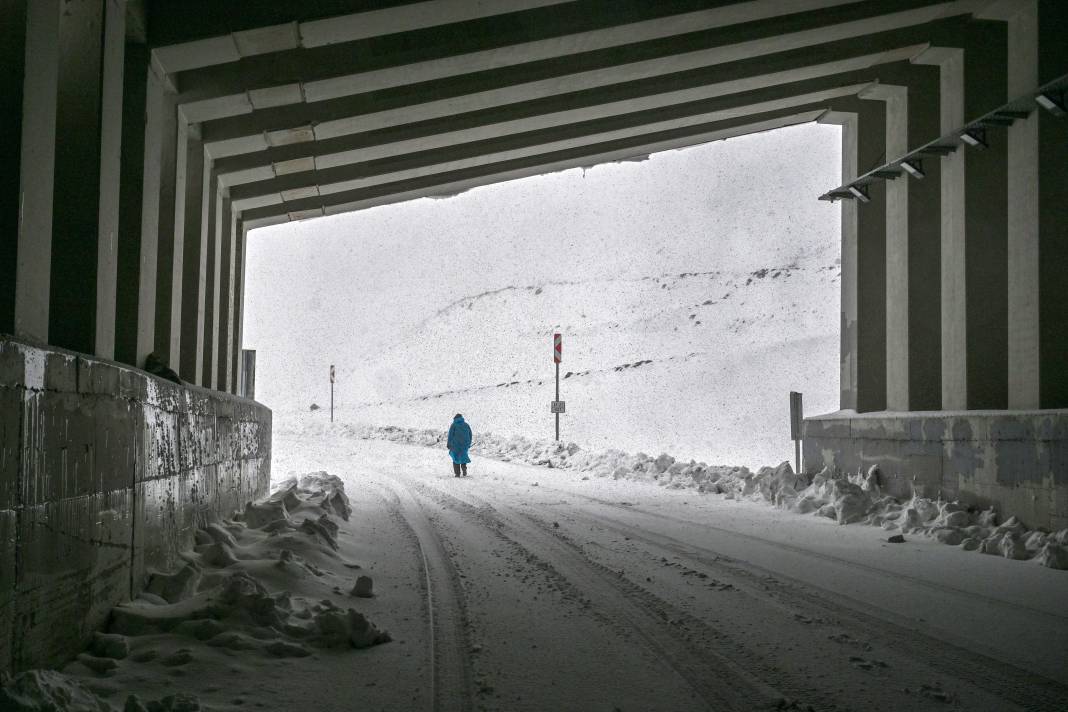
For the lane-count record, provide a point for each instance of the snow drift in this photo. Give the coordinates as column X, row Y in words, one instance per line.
column 247, row 587
column 845, row 498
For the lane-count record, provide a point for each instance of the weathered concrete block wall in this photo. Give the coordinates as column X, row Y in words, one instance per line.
column 1016, row 461
column 104, row 472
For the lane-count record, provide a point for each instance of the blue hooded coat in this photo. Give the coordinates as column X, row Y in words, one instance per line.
column 459, row 440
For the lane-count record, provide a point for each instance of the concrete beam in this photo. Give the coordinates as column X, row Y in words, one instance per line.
column 270, row 37
column 464, row 180
column 576, row 76
column 366, row 174
column 548, row 120
column 753, row 83
column 572, row 31
column 291, row 121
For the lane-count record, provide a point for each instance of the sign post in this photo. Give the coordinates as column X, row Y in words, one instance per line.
column 558, row 405
column 331, row 393
column 797, row 422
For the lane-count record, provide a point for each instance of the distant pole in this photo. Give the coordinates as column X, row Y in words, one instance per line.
column 557, row 398
column 558, row 356
column 797, row 426
column 331, row 393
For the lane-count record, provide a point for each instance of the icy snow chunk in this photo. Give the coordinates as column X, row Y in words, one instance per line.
column 259, row 514
column 1053, row 556
column 218, row 554
column 49, row 691
column 173, row 587
column 109, row 645
column 949, row 535
column 344, row 628
column 364, row 587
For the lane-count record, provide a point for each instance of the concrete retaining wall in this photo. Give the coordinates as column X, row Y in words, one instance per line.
column 104, row 471
column 1016, row 461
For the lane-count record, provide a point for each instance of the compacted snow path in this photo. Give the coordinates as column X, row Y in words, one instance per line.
column 542, row 590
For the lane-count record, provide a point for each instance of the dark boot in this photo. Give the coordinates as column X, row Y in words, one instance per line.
column 456, row 469
column 463, row 469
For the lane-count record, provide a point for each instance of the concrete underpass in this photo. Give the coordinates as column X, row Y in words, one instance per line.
column 145, row 140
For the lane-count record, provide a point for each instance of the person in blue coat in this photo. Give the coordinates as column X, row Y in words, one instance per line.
column 459, row 442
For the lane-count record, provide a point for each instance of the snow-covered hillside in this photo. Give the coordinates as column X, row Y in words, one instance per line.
column 694, row 290
column 690, row 363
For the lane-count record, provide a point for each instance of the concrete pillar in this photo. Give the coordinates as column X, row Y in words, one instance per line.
column 912, row 258
column 863, row 305
column 85, row 211
column 1023, row 226
column 162, row 168
column 132, row 197
column 188, row 307
column 37, row 170
column 848, row 331
column 213, row 259
column 896, row 212
column 924, row 248
column 111, row 124
column 1052, row 228
column 871, row 265
column 224, row 289
column 13, row 57
column 241, row 235
column 226, row 334
column 986, row 210
column 954, row 354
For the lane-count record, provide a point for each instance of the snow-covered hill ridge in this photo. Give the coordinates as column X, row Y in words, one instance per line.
column 501, row 335
column 698, row 361
column 846, row 498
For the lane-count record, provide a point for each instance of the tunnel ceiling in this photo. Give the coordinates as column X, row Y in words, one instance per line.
column 322, row 107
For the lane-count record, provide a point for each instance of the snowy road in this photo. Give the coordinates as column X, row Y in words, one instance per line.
column 525, row 588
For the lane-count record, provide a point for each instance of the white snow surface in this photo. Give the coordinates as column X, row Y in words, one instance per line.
column 525, row 587
column 846, row 498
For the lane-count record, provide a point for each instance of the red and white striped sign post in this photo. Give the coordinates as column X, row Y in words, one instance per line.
column 558, row 355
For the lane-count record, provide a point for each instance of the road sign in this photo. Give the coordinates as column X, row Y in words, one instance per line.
column 557, row 407
column 558, row 348
column 331, row 373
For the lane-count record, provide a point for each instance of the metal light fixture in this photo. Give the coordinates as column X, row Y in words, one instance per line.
column 914, row 168
column 975, row 138
column 859, row 193
column 1051, row 104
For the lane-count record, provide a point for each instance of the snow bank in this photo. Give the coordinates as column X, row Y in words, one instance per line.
column 234, row 592
column 846, row 498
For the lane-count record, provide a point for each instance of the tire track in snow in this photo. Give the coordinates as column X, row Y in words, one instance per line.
column 847, row 563
column 451, row 678
column 721, row 682
column 1028, row 690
